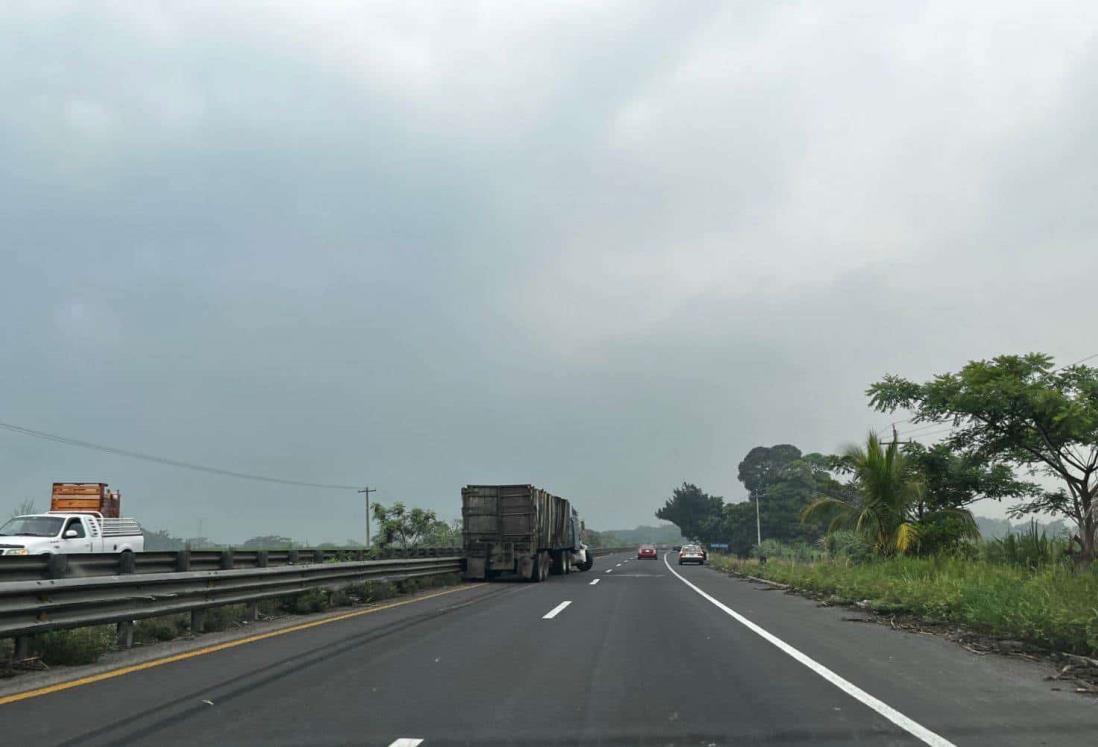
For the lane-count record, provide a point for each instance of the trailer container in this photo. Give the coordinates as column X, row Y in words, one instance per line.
column 519, row 530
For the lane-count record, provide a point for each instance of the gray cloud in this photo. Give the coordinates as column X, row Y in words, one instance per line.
column 603, row 249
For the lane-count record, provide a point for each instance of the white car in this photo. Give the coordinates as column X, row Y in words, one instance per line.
column 691, row 554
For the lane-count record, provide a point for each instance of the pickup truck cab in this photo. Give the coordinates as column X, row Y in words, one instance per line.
column 60, row 533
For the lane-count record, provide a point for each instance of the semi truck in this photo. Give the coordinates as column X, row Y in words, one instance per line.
column 83, row 518
column 520, row 531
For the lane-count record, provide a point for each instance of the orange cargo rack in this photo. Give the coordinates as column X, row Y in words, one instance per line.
column 86, row 497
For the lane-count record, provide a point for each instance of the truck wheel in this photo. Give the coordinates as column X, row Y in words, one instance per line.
column 588, row 561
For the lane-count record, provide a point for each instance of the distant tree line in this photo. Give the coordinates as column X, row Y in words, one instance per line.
column 397, row 527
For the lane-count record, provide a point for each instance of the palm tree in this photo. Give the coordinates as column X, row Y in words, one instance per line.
column 887, row 493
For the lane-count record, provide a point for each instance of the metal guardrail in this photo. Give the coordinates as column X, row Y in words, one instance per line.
column 42, row 593
column 599, row 552
column 28, row 607
column 82, row 565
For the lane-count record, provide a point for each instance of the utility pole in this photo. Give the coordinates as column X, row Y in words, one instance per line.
column 367, row 491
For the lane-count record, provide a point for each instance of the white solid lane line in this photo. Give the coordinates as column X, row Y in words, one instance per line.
column 406, row 742
column 913, row 728
column 593, row 582
column 555, row 611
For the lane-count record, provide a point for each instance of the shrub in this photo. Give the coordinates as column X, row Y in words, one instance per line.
column 314, row 600
column 160, row 628
column 79, row 646
column 848, row 545
column 942, row 532
column 800, row 552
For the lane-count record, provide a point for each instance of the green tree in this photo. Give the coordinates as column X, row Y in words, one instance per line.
column 1018, row 409
column 884, row 501
column 737, row 528
column 783, row 481
column 405, row 528
column 441, row 534
column 956, row 480
column 764, row 465
column 693, row 511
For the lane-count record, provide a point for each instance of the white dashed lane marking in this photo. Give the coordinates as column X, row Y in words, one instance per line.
column 555, row 611
column 593, row 582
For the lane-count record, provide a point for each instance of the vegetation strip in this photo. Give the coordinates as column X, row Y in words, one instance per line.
column 1049, row 607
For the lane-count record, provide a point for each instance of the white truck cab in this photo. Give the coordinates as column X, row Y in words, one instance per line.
column 63, row 533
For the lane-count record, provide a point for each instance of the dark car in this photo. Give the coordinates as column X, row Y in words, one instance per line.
column 646, row 552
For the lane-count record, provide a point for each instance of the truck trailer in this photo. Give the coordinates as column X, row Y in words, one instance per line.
column 520, row 530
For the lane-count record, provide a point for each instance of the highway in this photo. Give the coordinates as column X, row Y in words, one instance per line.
column 630, row 653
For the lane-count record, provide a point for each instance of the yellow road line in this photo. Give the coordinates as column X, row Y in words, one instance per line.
column 215, row 648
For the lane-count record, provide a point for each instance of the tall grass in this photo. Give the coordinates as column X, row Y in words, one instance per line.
column 1030, row 548
column 1048, row 605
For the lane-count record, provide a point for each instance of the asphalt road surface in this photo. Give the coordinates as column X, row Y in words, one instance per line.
column 630, row 653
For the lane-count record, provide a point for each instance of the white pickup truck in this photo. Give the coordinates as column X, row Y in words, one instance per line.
column 60, row 533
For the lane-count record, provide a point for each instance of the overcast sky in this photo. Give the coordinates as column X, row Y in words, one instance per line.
column 602, row 248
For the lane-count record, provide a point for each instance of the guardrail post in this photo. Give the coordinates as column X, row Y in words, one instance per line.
column 183, row 560
column 251, row 612
column 22, row 648
column 291, row 557
column 226, row 559
column 126, row 563
column 58, row 566
column 261, row 559
column 198, row 621
column 125, row 634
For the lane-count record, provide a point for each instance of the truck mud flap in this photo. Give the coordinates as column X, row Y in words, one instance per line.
column 475, row 568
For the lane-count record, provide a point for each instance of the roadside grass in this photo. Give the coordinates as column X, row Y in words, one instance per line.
column 1048, row 606
column 86, row 645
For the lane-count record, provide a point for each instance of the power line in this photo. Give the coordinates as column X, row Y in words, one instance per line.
column 165, row 461
column 1076, row 363
column 927, row 427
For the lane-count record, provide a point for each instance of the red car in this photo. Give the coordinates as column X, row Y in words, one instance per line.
column 646, row 552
